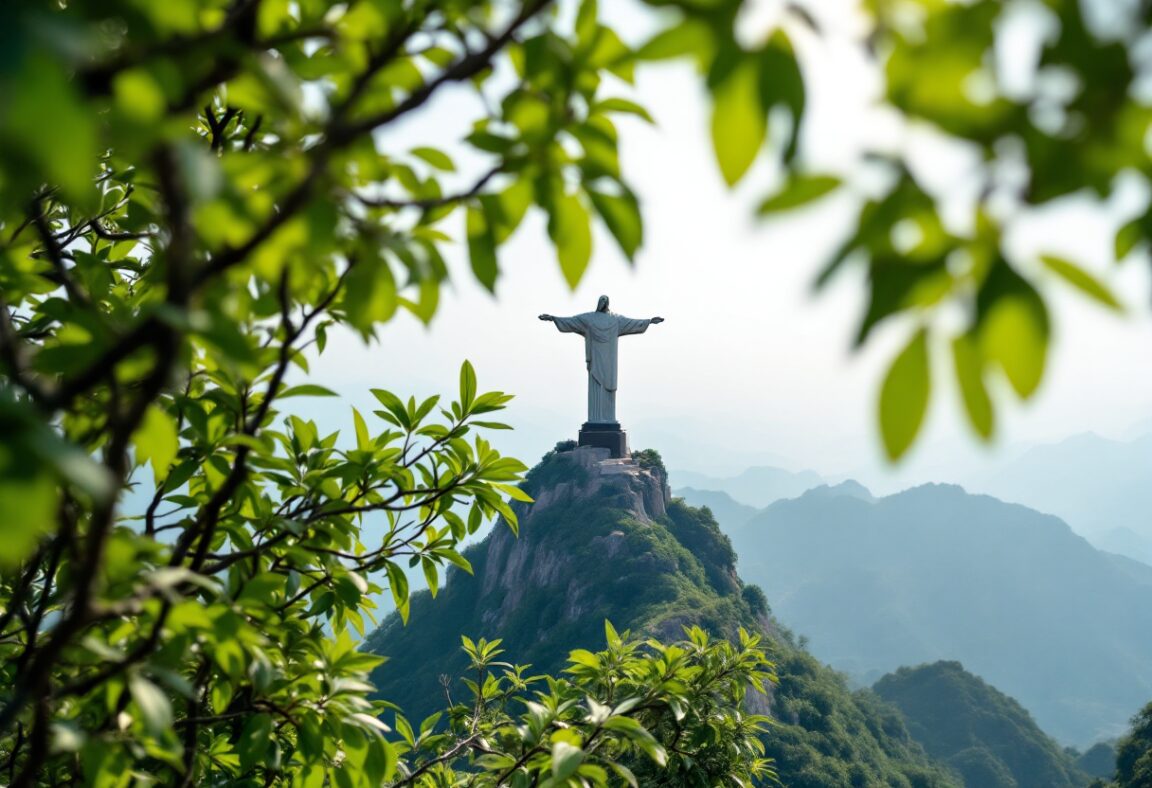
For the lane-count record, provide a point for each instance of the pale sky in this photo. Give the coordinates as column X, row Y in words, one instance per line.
column 750, row 367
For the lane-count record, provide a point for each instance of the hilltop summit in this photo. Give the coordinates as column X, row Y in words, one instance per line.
column 604, row 539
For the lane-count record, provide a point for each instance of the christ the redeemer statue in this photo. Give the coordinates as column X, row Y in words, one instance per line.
column 601, row 331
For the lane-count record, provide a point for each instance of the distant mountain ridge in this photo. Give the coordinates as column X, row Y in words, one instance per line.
column 935, row 573
column 1099, row 486
column 756, row 487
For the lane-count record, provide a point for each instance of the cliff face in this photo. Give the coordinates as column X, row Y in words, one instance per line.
column 604, row 540
column 548, row 558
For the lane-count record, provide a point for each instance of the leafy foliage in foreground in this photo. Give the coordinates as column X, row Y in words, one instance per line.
column 193, row 193
column 206, row 655
column 1134, row 755
column 640, row 713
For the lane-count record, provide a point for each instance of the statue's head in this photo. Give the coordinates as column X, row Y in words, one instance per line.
column 602, row 304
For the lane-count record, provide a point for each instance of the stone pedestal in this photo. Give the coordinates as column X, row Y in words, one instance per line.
column 605, row 436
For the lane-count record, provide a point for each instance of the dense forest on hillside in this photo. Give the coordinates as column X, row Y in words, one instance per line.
column 596, row 547
column 978, row 731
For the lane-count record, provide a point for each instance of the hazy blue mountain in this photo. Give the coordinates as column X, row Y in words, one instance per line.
column 755, row 487
column 1126, row 542
column 729, row 512
column 597, row 545
column 978, row 731
column 935, row 573
column 1095, row 484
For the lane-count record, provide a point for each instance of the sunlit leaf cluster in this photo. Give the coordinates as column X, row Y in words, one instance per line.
column 639, row 713
column 1046, row 100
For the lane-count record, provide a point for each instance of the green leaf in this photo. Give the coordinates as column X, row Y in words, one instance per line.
column 138, row 95
column 690, row 37
column 640, row 735
column 306, row 390
column 398, row 584
column 739, row 125
column 363, row 438
column 156, row 441
column 904, row 396
column 482, row 247
column 621, row 214
column 969, row 368
column 513, row 203
column 45, row 121
column 622, row 106
column 431, row 575
column 1013, row 328
column 28, row 502
column 437, row 158
column 625, row 774
column 586, row 22
column 155, row 708
column 571, row 232
column 798, row 191
column 566, row 759
column 370, row 295
column 255, row 740
column 1082, row 281
column 428, row 298
column 467, row 385
column 1128, row 236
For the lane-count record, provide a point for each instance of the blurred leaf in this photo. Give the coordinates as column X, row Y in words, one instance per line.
column 904, row 396
column 1082, row 280
column 156, row 441
column 622, row 216
column 566, row 758
column 306, row 390
column 155, row 708
column 797, row 191
column 45, row 117
column 739, row 125
column 255, row 740
column 969, row 368
column 436, row 158
column 370, row 295
column 571, row 231
column 1013, row 328
column 482, row 247
column 28, row 501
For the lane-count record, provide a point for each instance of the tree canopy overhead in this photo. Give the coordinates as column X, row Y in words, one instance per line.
column 193, row 191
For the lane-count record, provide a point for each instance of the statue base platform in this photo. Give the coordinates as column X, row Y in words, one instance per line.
column 605, row 436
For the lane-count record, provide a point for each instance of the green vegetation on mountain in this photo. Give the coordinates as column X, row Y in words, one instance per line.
column 1134, row 754
column 597, row 546
column 978, row 731
column 935, row 573
column 725, row 509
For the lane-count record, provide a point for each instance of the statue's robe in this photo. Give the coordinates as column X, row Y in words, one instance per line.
column 601, row 332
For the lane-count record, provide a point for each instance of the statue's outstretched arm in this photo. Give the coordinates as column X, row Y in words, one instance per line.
column 567, row 325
